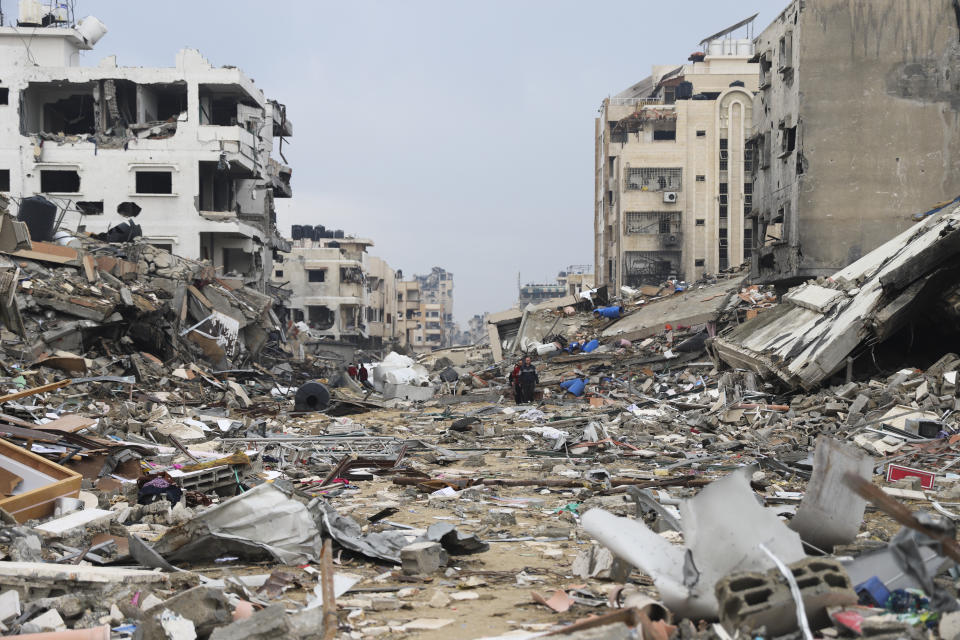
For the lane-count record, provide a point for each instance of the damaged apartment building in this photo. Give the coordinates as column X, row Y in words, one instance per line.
column 855, row 129
column 343, row 294
column 436, row 295
column 672, row 169
column 339, row 290
column 183, row 152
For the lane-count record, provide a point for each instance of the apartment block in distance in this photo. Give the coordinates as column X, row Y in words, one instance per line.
column 184, row 152
column 672, row 170
column 856, row 129
column 340, row 291
column 436, row 291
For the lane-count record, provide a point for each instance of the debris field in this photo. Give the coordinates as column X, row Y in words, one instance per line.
column 698, row 460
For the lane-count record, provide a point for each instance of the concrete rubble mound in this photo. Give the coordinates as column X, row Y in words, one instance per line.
column 685, row 460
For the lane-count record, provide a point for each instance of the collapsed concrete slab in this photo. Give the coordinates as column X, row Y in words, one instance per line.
column 696, row 306
column 808, row 337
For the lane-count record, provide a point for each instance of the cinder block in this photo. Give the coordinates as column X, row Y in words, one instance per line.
column 752, row 600
column 422, row 558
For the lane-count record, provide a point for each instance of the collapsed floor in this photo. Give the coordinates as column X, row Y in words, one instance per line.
column 672, row 478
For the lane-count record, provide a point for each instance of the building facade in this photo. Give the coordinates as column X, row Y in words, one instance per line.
column 340, row 291
column 671, row 169
column 184, row 152
column 436, row 291
column 855, row 129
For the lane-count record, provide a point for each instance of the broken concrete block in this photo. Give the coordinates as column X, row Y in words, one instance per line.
column 499, row 518
column 950, row 625
column 9, row 605
column 753, row 599
column 47, row 621
column 438, row 600
column 422, row 558
column 265, row 624
column 206, row 607
column 75, row 522
column 175, row 627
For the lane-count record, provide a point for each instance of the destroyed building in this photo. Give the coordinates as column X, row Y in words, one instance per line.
column 672, row 171
column 339, row 290
column 854, row 129
column 436, row 293
column 570, row 282
column 184, row 152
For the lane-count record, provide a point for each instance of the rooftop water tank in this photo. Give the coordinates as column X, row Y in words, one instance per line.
column 31, row 13
column 91, row 29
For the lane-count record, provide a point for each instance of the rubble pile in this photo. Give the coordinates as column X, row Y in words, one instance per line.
column 160, row 482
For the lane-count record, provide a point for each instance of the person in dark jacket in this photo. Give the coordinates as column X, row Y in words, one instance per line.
column 352, row 371
column 363, row 376
column 515, row 382
column 528, row 379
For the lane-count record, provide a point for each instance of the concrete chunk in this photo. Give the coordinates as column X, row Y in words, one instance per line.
column 422, row 558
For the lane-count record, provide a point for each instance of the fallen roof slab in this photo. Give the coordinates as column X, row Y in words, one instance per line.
column 803, row 344
column 694, row 306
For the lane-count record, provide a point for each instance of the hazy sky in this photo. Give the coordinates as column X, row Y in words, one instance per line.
column 457, row 134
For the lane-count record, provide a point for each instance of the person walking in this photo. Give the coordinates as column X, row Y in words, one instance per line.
column 363, row 375
column 515, row 382
column 528, row 379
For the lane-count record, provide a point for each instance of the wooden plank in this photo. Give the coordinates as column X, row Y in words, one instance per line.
column 28, row 433
column 68, row 424
column 40, row 502
column 202, row 299
column 48, row 252
column 8, row 482
column 90, row 268
column 53, row 386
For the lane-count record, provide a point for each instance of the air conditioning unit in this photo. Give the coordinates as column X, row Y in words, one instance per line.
column 669, row 196
column 671, row 240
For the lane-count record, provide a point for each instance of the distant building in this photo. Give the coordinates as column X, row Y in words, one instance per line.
column 182, row 151
column 339, row 290
column 855, row 129
column 572, row 281
column 436, row 291
column 672, row 173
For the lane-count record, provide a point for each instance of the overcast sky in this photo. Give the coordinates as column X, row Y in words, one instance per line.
column 452, row 133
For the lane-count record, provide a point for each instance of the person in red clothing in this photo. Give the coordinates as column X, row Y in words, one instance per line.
column 363, row 376
column 515, row 382
column 352, row 371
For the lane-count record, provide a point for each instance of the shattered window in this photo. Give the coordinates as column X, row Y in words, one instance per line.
column 4, row 95
column 155, row 182
column 747, row 196
column 4, row 179
column 315, row 275
column 59, row 181
column 654, row 179
column 747, row 242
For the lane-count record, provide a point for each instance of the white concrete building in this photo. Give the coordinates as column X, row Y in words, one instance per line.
column 339, row 290
column 184, row 152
